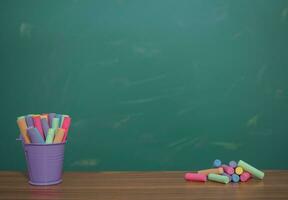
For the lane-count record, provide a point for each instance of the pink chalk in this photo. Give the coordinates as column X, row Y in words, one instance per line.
column 228, row 170
column 65, row 126
column 245, row 177
column 38, row 125
column 195, row 177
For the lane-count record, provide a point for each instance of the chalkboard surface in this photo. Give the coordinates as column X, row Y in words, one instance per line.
column 150, row 85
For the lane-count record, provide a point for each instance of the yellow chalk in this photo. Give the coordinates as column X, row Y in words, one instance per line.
column 239, row 170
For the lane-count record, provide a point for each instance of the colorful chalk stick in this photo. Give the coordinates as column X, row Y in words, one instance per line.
column 245, row 177
column 217, row 163
column 23, row 129
column 229, row 176
column 45, row 126
column 55, row 123
column 50, row 118
column 35, row 136
column 59, row 116
column 66, row 125
column 235, row 178
column 50, row 136
column 29, row 121
column 44, row 116
column 38, row 124
column 195, row 177
column 218, row 170
column 59, row 135
column 252, row 170
column 218, row 178
column 238, row 170
column 233, row 164
column 227, row 169
column 62, row 119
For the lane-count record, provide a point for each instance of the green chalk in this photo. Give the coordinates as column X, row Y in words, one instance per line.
column 252, row 170
column 218, row 178
column 50, row 136
column 55, row 123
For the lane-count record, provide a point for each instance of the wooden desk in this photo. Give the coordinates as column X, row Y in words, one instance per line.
column 141, row 185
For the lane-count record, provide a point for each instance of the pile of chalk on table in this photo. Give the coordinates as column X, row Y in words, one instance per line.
column 222, row 173
column 44, row 129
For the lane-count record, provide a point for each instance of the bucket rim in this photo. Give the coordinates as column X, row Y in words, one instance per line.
column 37, row 144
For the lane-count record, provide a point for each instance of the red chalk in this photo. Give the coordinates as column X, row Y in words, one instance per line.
column 195, row 177
column 65, row 126
column 245, row 177
column 38, row 125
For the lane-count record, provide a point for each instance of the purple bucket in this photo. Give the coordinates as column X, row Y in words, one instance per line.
column 44, row 163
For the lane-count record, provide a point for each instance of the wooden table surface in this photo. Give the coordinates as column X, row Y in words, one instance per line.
column 141, row 185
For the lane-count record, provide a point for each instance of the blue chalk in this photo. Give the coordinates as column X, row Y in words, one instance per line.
column 50, row 118
column 29, row 121
column 35, row 136
column 45, row 126
column 60, row 118
column 235, row 178
column 233, row 164
column 217, row 163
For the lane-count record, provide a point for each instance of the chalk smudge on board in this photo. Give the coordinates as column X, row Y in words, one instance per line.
column 144, row 100
column 284, row 14
column 147, row 100
column 253, row 121
column 25, row 30
column 173, row 144
column 227, row 145
column 221, row 13
column 125, row 120
column 144, row 51
column 185, row 110
column 190, row 142
column 237, row 35
column 279, row 93
column 181, row 24
column 182, row 143
column 121, row 122
column 143, row 81
column 261, row 132
column 261, row 73
column 108, row 62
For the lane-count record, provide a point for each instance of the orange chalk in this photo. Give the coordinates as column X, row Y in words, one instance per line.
column 218, row 170
column 59, row 135
column 44, row 116
column 23, row 129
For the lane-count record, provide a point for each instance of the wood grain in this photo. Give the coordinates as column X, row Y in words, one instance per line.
column 141, row 185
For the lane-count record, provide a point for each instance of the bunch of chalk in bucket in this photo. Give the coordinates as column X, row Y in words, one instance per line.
column 43, row 137
column 222, row 173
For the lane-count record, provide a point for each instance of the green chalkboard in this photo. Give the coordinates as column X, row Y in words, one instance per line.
column 150, row 85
